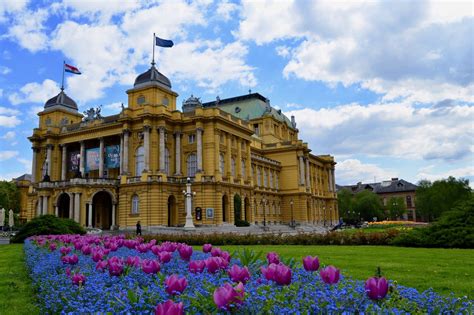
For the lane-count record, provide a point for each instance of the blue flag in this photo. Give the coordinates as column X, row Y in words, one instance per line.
column 163, row 42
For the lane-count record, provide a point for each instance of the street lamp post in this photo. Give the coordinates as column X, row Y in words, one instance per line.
column 188, row 204
column 292, row 223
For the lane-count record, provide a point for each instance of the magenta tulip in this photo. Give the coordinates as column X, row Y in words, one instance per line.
column 213, row 264
column 216, row 251
column 52, row 247
column 164, row 257
column 143, row 248
column 150, row 266
column 115, row 265
column 311, row 263
column 225, row 256
column 197, row 266
column 65, row 250
column 175, row 285
column 78, row 279
column 101, row 265
column 68, row 271
column 226, row 296
column 71, row 259
column 170, row 308
column 206, row 248
column 86, row 250
column 273, row 258
column 133, row 261
column 185, row 252
column 97, row 255
column 330, row 275
column 238, row 274
column 376, row 288
column 156, row 250
column 280, row 273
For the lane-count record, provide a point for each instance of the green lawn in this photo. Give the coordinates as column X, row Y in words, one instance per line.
column 16, row 295
column 444, row 270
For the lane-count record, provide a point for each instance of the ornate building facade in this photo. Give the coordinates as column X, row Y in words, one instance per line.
column 243, row 157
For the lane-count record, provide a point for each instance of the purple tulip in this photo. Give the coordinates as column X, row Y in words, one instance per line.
column 169, row 246
column 86, row 250
column 68, row 271
column 52, row 247
column 238, row 274
column 65, row 250
column 330, row 275
column 376, row 288
column 101, row 265
column 143, row 248
column 213, row 264
column 185, row 252
column 226, row 296
column 281, row 274
column 273, row 258
column 311, row 263
column 71, row 259
column 156, row 250
column 164, row 257
column 169, row 308
column 216, row 252
column 133, row 261
column 150, row 266
column 197, row 266
column 175, row 285
column 206, row 248
column 78, row 279
column 97, row 255
column 225, row 256
column 115, row 265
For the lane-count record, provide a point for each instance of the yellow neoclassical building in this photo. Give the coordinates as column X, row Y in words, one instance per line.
column 243, row 157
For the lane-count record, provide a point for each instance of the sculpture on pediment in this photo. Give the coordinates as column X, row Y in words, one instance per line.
column 92, row 114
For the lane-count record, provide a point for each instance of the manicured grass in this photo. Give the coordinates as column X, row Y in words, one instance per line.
column 444, row 270
column 16, row 294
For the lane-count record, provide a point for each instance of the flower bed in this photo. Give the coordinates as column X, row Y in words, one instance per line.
column 91, row 274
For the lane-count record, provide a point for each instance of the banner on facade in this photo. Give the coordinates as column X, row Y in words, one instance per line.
column 74, row 161
column 112, row 156
column 92, row 159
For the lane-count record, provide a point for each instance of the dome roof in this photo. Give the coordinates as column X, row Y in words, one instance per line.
column 192, row 101
column 152, row 75
column 62, row 100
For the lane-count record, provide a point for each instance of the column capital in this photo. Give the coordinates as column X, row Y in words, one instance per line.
column 35, row 149
column 50, row 146
column 125, row 131
column 200, row 129
column 161, row 128
column 146, row 128
column 177, row 133
column 63, row 145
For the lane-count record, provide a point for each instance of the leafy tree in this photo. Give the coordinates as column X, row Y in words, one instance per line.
column 368, row 204
column 9, row 196
column 396, row 207
column 433, row 199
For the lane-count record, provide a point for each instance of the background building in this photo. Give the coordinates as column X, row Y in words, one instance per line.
column 243, row 156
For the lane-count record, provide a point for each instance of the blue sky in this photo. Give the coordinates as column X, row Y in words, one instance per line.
column 386, row 87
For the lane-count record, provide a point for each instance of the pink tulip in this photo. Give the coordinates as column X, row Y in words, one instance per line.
column 78, row 279
column 133, row 261
column 156, row 250
column 197, row 266
column 164, row 257
column 78, row 245
column 311, row 263
column 143, row 248
column 225, row 256
column 227, row 295
column 101, row 265
column 175, row 285
column 68, row 272
column 206, row 248
column 185, row 252
column 216, row 251
column 52, row 247
column 169, row 308
column 71, row 259
column 115, row 265
column 97, row 255
column 281, row 274
column 238, row 274
column 86, row 250
column 330, row 275
column 376, row 288
column 169, row 246
column 213, row 264
column 273, row 258
column 269, row 272
column 150, row 266
column 65, row 250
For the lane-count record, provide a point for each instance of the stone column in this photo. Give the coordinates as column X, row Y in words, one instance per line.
column 49, row 149
column 217, row 152
column 248, row 160
column 330, row 180
column 34, row 165
column 146, row 144
column 125, row 152
column 177, row 136
column 162, row 148
column 302, row 178
column 238, row 164
column 82, row 159
column 199, row 149
column 45, row 205
column 228, row 157
column 121, row 155
column 77, row 207
column 308, row 178
column 113, row 215
column 101, row 158
column 71, row 206
column 89, row 213
column 63, row 162
column 56, row 210
column 333, row 181
column 39, row 206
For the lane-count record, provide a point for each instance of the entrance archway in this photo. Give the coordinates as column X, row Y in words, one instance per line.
column 102, row 210
column 237, row 208
column 172, row 211
column 247, row 209
column 225, row 205
column 63, row 206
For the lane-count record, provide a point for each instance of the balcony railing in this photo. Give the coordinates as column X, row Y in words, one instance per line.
column 80, row 181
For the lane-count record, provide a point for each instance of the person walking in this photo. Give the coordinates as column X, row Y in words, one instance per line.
column 139, row 228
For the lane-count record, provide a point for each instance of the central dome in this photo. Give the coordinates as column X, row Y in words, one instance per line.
column 152, row 75
column 61, row 100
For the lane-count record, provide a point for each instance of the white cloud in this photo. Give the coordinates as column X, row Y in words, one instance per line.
column 9, row 7
column 429, row 174
column 35, row 92
column 8, row 111
column 6, row 155
column 352, row 171
column 4, row 71
column 225, row 9
column 9, row 121
column 28, row 30
column 283, row 51
column 401, row 130
column 10, row 135
column 101, row 10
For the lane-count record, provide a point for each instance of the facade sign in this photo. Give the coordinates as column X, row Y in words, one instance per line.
column 112, row 156
column 210, row 213
column 92, row 159
column 74, row 161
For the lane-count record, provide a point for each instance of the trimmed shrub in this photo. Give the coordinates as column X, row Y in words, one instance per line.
column 240, row 222
column 48, row 224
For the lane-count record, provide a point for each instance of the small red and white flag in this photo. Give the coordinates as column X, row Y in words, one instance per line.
column 71, row 69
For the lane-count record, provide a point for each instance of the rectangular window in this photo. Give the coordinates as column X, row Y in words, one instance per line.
column 256, row 129
column 243, row 168
column 265, row 178
column 191, row 138
column 408, row 200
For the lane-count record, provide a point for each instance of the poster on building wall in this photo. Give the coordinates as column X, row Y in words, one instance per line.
column 112, row 156
column 92, row 159
column 74, row 161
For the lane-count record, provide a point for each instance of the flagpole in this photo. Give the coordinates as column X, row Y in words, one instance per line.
column 62, row 82
column 153, row 60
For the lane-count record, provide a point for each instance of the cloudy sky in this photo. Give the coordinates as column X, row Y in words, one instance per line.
column 386, row 87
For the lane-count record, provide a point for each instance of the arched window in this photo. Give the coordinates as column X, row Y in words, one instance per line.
column 243, row 168
column 259, row 180
column 135, row 204
column 221, row 163
column 232, row 164
column 167, row 162
column 139, row 161
column 191, row 163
